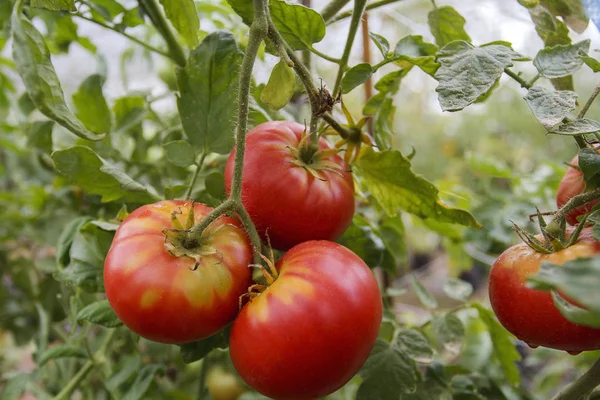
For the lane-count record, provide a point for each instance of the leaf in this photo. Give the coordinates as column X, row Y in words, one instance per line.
column 215, row 185
column 130, row 112
column 468, row 72
column 180, row 153
column 32, row 57
column 447, row 25
column 551, row 30
column 96, row 176
column 62, row 351
column 504, row 349
column 39, row 135
column 483, row 164
column 183, row 16
column 449, row 330
column 550, row 106
column 195, row 351
column 576, row 127
column 356, row 76
column 387, row 374
column 572, row 12
column 458, row 289
column 65, row 240
column 15, row 386
column 208, row 93
column 561, row 60
column 477, row 348
column 55, row 5
column 413, row 50
column 575, row 314
column 589, row 163
column 415, row 345
column 280, row 88
column 382, row 43
column 388, row 177
column 142, row 382
column 423, row 294
column 591, row 62
column 128, row 366
column 91, row 106
column 100, row 313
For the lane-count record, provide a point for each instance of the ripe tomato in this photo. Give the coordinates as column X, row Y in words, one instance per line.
column 530, row 314
column 162, row 297
column 309, row 332
column 223, row 385
column 285, row 201
column 570, row 186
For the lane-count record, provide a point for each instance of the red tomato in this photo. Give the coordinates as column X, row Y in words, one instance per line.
column 570, row 186
column 284, row 200
column 160, row 296
column 530, row 314
column 309, row 332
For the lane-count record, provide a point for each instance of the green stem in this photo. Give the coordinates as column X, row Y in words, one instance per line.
column 199, row 165
column 517, row 78
column 128, row 36
column 324, row 56
column 203, row 372
column 582, row 386
column 333, row 8
column 65, row 393
column 577, row 201
column 160, row 23
column 344, row 133
column 223, row 208
column 306, row 56
column 587, row 105
column 359, row 8
column 252, row 232
column 348, row 14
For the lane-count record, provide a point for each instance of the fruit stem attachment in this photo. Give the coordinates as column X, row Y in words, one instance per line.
column 554, row 226
column 582, row 386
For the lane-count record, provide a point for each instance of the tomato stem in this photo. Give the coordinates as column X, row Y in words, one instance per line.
column 333, row 8
column 587, row 105
column 577, row 201
column 582, row 386
column 203, row 372
column 162, row 26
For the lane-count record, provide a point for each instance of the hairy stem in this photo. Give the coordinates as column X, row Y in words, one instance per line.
column 160, row 23
column 333, row 8
column 582, row 386
column 251, row 231
column 343, row 132
column 198, row 165
column 572, row 204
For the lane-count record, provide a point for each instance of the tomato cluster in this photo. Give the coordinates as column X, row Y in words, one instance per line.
column 528, row 313
column 306, row 332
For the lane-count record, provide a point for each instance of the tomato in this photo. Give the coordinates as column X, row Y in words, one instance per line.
column 285, row 201
column 223, row 385
column 309, row 332
column 166, row 298
column 530, row 314
column 570, row 186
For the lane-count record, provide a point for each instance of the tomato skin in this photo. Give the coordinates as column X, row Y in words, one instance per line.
column 311, row 330
column 158, row 295
column 530, row 314
column 570, row 186
column 285, row 202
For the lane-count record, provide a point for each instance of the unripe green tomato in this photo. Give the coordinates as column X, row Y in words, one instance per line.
column 529, row 3
column 223, row 385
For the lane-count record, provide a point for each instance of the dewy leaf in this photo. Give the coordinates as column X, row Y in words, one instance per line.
column 208, row 93
column 504, row 349
column 382, row 43
column 561, row 60
column 55, row 5
column 180, row 153
column 449, row 330
column 458, row 289
column 413, row 50
column 576, row 127
column 62, row 351
column 85, row 168
column 550, row 107
column 195, row 351
column 356, row 76
column 91, row 106
column 551, row 30
column 388, row 177
column 468, row 72
column 100, row 313
column 183, row 16
column 447, row 25
column 32, row 57
column 280, row 88
column 387, row 374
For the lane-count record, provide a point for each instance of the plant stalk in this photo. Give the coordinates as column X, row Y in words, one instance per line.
column 577, row 201
column 517, row 77
column 333, row 8
column 587, row 105
column 199, row 165
column 160, row 23
column 582, row 386
column 371, row 6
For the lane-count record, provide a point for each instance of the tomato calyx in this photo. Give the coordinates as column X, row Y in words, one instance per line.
column 308, row 156
column 269, row 273
column 355, row 137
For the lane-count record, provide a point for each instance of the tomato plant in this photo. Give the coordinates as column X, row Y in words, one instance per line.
column 169, row 298
column 311, row 330
column 570, row 186
column 301, row 196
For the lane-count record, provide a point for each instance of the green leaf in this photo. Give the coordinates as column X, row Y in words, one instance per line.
column 65, row 240
column 591, row 62
column 130, row 112
column 423, row 294
column 468, row 72
column 142, row 382
column 208, row 86
column 458, row 289
column 415, row 345
column 576, row 127
column 560, row 60
column 91, row 106
column 388, row 177
column 382, row 43
column 589, row 163
column 55, row 5
column 215, row 185
column 183, row 16
column 127, row 367
column 447, row 25
column 356, row 76
column 413, row 50
column 100, row 313
column 96, row 176
column 32, row 57
column 449, row 330
column 195, row 351
column 62, row 351
column 551, row 30
column 550, row 107
column 180, row 153
column 504, row 349
column 39, row 135
column 575, row 314
column 572, row 12
column 280, row 88
column 387, row 374
column 477, row 348
column 15, row 386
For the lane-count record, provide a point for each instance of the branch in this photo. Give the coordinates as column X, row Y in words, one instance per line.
column 582, row 386
column 333, row 8
column 372, row 6
column 587, row 105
